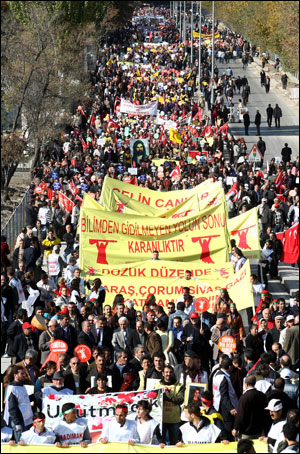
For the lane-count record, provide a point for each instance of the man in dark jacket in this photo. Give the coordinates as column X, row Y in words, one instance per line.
column 137, row 336
column 25, row 341
column 75, row 379
column 246, row 118
column 67, row 333
column 269, row 111
column 85, row 336
column 194, row 339
column 119, row 369
column 31, row 213
column 31, row 254
column 255, row 342
column 257, row 122
column 286, row 153
column 261, row 145
column 252, row 419
column 14, row 329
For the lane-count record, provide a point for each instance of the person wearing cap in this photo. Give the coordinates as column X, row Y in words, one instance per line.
column 198, row 429
column 291, row 342
column 251, row 420
column 37, row 434
column 264, row 216
column 27, row 340
column 70, row 430
column 289, row 322
column 120, row 429
column 17, row 412
column 275, row 408
column 196, row 338
column 57, row 387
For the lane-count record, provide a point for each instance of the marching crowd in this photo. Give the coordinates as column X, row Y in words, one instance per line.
column 251, row 393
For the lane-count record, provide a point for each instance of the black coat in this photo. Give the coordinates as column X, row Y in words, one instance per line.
column 251, row 416
column 107, row 337
column 85, row 339
column 246, row 119
column 199, row 344
column 70, row 339
column 14, row 330
column 31, row 254
column 134, row 362
column 133, row 340
column 117, row 377
column 20, row 345
column 70, row 382
column 256, row 343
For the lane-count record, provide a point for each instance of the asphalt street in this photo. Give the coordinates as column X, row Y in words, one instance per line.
column 275, row 138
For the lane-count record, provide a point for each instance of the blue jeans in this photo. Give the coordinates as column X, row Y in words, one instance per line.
column 173, row 432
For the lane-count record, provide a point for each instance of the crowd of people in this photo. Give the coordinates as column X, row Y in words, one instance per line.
column 251, row 393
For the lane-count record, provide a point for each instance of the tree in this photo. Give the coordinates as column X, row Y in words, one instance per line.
column 13, row 146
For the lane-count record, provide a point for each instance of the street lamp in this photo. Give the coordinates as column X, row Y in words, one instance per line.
column 192, row 35
column 200, row 30
column 212, row 51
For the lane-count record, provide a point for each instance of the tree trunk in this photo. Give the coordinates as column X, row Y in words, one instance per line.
column 37, row 154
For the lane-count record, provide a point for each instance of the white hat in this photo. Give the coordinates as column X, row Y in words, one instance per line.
column 289, row 318
column 274, row 405
column 286, row 374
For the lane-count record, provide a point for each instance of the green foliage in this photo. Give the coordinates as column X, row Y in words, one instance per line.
column 273, row 26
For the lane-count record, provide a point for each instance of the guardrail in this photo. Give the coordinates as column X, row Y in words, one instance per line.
column 16, row 222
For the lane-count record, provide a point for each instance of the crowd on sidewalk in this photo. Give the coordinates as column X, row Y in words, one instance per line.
column 250, row 393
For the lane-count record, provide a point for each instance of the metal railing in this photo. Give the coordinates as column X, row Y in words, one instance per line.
column 16, row 222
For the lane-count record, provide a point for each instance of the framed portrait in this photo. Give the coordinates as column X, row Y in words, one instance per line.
column 139, row 150
column 193, row 392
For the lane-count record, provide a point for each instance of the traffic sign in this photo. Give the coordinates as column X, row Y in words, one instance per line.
column 201, row 304
column 227, row 344
column 83, row 352
column 58, row 346
column 254, row 154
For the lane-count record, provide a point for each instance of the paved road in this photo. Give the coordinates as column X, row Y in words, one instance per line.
column 259, row 99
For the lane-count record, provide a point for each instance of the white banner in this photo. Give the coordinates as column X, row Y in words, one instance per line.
column 99, row 409
column 133, row 109
column 166, row 123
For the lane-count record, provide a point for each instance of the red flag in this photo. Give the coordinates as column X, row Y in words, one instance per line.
column 279, row 180
column 232, row 191
column 65, row 202
column 112, row 124
column 183, row 112
column 73, row 188
column 84, row 145
column 133, row 181
column 80, row 108
column 290, row 240
column 93, row 119
column 50, row 194
column 198, row 115
column 224, row 130
column 51, row 357
column 207, row 131
column 162, row 137
column 117, row 104
column 176, row 172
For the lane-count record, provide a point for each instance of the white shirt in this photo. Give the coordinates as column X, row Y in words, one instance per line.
column 191, row 435
column 146, row 430
column 113, row 431
column 32, row 438
column 71, row 433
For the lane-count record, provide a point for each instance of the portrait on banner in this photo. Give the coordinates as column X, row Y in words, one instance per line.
column 193, row 393
column 139, row 150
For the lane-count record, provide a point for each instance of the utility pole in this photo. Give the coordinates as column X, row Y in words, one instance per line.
column 192, row 3
column 180, row 20
column 184, row 22
column 176, row 13
column 200, row 30
column 212, row 51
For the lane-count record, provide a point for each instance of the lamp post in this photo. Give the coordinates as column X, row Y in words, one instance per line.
column 180, row 20
column 184, row 22
column 192, row 3
column 200, row 30
column 212, row 51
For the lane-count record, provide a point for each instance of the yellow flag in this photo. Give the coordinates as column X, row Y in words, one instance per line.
column 244, row 230
column 175, row 137
column 138, row 72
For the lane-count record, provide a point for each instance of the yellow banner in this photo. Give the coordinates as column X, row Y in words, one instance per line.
column 126, row 448
column 191, row 206
column 244, row 230
column 163, row 200
column 109, row 237
column 196, row 35
column 166, row 280
column 175, row 137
